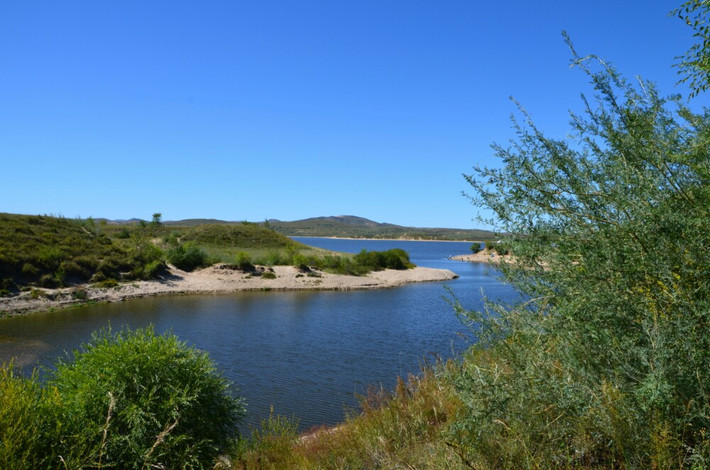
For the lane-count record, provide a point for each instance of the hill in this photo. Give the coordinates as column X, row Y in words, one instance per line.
column 348, row 226
column 52, row 252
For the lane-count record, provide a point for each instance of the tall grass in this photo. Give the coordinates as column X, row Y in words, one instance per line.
column 401, row 428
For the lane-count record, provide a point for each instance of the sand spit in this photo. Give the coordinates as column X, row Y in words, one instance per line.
column 217, row 279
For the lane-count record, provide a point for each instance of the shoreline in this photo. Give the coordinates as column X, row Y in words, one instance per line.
column 216, row 279
column 388, row 239
column 482, row 257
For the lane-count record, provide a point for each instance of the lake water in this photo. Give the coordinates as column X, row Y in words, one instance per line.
column 303, row 354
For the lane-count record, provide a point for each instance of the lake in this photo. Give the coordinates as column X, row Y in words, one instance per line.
column 303, row 354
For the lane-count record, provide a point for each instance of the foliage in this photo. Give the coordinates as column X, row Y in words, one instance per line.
column 395, row 258
column 397, row 429
column 54, row 252
column 143, row 400
column 501, row 247
column 694, row 65
column 242, row 235
column 147, row 260
column 607, row 363
column 243, row 261
column 476, row 247
column 187, row 256
column 29, row 425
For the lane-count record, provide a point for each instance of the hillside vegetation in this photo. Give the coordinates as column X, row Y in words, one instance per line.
column 51, row 252
column 358, row 227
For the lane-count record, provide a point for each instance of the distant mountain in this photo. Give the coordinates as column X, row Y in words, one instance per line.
column 350, row 226
column 343, row 226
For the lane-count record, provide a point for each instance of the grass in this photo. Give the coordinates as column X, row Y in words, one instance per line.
column 51, row 252
column 403, row 428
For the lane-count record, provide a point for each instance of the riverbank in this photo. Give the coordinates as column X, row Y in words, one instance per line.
column 217, row 279
column 482, row 257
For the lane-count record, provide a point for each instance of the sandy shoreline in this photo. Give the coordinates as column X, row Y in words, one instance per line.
column 481, row 257
column 217, row 279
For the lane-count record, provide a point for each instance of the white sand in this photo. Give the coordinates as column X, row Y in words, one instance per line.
column 219, row 279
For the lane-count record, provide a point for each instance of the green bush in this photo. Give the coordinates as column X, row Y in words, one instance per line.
column 476, row 247
column 188, row 257
column 107, row 284
column 140, row 400
column 395, row 258
column 243, row 262
column 29, row 424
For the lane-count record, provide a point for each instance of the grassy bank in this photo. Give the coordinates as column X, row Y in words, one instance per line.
column 52, row 252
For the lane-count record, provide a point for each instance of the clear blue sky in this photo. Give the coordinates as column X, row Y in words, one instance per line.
column 292, row 109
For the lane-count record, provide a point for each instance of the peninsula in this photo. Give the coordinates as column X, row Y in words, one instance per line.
column 53, row 263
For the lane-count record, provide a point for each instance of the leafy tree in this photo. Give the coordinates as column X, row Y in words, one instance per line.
column 476, row 247
column 694, row 65
column 607, row 363
column 156, row 222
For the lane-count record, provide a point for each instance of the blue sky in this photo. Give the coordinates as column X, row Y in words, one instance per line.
column 288, row 110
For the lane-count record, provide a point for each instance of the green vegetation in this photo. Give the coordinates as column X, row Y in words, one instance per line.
column 53, row 252
column 44, row 251
column 398, row 429
column 395, row 258
column 607, row 362
column 694, row 66
column 187, row 256
column 126, row 400
column 357, row 265
column 357, row 227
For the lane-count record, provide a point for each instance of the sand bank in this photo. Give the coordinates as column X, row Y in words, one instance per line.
column 217, row 279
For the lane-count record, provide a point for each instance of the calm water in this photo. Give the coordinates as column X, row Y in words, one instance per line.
column 306, row 354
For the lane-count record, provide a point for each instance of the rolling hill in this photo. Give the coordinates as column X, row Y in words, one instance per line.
column 348, row 226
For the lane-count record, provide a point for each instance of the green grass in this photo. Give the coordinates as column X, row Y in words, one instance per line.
column 50, row 252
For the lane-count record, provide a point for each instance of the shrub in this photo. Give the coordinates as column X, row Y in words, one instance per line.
column 476, row 247
column 395, row 258
column 188, row 257
column 606, row 362
column 140, row 400
column 107, row 284
column 29, row 270
column 243, row 261
column 28, row 422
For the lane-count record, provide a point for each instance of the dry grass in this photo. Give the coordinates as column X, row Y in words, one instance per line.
column 393, row 429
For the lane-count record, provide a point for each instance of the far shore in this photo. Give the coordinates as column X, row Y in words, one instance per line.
column 482, row 257
column 217, row 279
column 406, row 239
